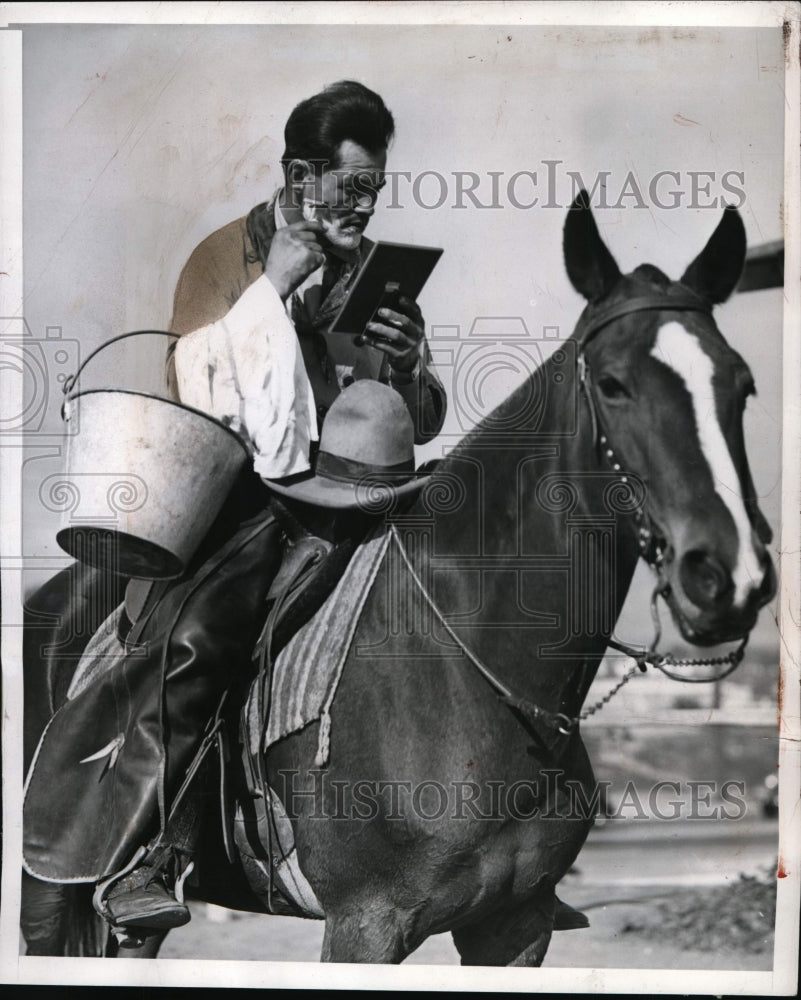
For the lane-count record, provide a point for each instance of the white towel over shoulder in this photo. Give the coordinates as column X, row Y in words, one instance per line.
column 247, row 371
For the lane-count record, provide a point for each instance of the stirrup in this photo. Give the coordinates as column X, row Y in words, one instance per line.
column 102, row 889
column 126, row 938
column 129, row 932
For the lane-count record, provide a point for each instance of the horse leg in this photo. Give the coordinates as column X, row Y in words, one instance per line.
column 43, row 916
column 518, row 935
column 58, row 919
column 366, row 934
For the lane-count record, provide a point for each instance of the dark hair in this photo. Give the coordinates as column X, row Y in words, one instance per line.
column 344, row 110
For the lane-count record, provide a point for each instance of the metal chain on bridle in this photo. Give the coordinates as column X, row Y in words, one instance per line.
column 589, row 324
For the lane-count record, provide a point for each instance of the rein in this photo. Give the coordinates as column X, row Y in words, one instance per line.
column 563, row 723
column 589, row 324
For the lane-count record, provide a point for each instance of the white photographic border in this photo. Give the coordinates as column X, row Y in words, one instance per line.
column 20, row 969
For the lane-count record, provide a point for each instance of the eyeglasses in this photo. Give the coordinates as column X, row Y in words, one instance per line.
column 356, row 190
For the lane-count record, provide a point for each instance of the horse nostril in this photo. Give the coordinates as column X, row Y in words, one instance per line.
column 704, row 579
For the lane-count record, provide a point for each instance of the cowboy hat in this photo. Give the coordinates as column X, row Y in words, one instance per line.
column 366, row 453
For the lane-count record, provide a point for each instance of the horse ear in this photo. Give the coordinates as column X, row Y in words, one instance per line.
column 590, row 266
column 716, row 270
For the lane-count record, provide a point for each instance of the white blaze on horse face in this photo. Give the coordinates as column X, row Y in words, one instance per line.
column 681, row 351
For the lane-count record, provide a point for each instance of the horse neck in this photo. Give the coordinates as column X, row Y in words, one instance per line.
column 542, row 497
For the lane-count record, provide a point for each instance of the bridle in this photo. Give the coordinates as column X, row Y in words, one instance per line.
column 589, row 324
column 591, row 321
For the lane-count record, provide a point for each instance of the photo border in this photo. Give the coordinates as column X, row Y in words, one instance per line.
column 160, row 972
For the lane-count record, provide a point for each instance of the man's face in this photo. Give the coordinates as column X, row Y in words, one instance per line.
column 349, row 190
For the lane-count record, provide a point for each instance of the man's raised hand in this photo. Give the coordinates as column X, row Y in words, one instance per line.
column 294, row 253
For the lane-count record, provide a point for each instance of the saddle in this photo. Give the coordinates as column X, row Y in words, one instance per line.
column 115, row 760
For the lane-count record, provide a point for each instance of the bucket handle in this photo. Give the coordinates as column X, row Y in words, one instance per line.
column 69, row 382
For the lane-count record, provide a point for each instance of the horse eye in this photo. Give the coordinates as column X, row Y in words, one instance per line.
column 611, row 388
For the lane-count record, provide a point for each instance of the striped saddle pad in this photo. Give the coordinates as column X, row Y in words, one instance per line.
column 307, row 671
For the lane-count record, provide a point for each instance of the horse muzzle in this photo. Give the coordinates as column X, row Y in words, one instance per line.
column 700, row 592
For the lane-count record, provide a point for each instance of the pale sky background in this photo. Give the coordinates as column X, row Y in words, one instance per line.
column 139, row 141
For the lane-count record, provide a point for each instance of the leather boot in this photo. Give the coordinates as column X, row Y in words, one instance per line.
column 145, row 901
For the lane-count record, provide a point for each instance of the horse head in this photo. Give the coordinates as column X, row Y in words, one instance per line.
column 667, row 396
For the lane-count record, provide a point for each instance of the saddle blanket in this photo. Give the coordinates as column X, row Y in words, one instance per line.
column 305, row 678
column 307, row 671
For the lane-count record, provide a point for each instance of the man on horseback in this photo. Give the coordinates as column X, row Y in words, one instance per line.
column 252, row 306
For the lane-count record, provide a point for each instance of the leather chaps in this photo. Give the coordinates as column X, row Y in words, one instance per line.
column 112, row 756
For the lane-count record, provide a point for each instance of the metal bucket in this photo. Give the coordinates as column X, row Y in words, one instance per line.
column 145, row 478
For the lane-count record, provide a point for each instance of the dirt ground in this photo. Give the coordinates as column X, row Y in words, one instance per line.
column 650, row 891
column 220, row 934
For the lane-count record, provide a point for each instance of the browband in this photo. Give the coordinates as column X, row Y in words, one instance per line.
column 590, row 324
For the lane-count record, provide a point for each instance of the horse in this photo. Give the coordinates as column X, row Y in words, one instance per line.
column 458, row 791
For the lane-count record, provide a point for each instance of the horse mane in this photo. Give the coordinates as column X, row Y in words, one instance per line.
column 485, row 425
